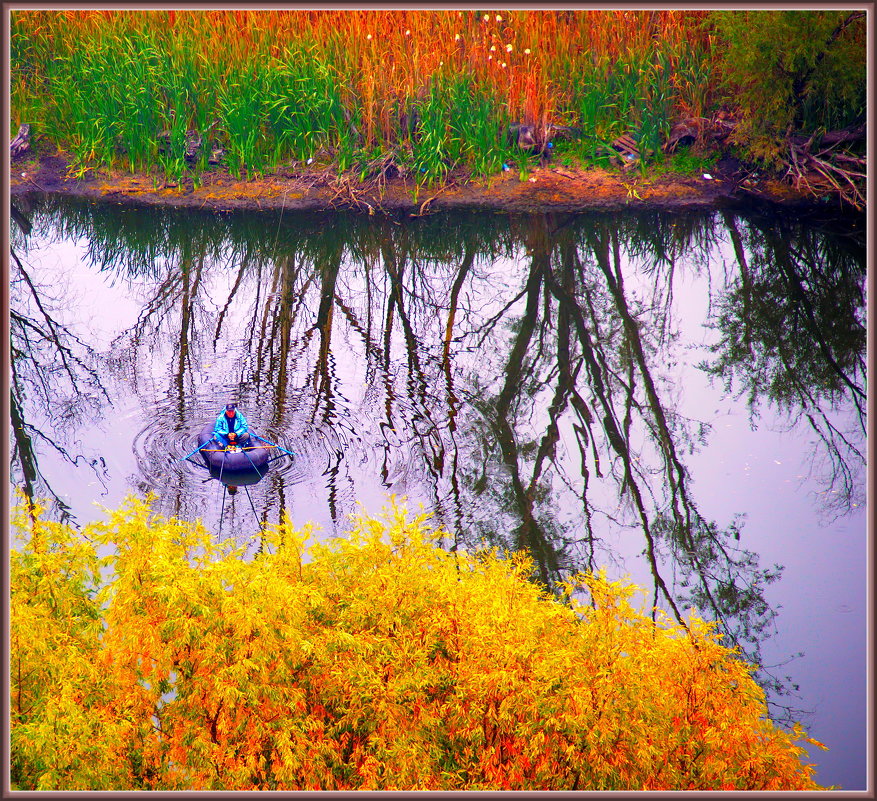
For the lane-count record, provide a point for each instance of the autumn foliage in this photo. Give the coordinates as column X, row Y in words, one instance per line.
column 377, row 661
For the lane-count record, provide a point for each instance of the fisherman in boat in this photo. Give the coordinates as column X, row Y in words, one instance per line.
column 231, row 427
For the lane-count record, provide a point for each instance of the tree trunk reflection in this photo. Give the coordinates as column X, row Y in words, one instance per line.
column 515, row 373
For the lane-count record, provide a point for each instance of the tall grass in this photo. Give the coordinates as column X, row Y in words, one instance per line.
column 459, row 123
column 438, row 88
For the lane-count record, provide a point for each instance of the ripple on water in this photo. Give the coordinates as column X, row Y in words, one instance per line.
column 349, row 448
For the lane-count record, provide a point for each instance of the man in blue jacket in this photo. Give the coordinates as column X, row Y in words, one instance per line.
column 231, row 427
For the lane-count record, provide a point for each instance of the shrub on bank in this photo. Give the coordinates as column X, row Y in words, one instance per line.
column 376, row 661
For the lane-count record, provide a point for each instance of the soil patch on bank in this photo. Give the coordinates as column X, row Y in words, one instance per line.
column 548, row 188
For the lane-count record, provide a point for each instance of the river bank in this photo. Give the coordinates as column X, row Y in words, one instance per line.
column 548, row 188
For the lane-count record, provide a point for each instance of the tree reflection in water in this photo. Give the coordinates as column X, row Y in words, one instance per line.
column 500, row 367
column 793, row 335
column 56, row 389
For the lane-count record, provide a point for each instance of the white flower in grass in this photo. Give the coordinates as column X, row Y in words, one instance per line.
column 457, row 37
column 369, row 37
column 509, row 48
column 493, row 48
column 498, row 18
column 408, row 33
column 527, row 52
column 503, row 64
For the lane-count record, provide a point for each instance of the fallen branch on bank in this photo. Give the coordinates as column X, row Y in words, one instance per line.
column 819, row 163
column 829, row 168
column 347, row 195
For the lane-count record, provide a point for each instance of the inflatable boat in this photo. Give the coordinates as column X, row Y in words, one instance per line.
column 236, row 465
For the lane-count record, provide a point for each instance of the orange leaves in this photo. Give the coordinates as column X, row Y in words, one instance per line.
column 381, row 662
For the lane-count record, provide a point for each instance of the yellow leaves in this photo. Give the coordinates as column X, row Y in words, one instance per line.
column 345, row 641
column 798, row 733
column 376, row 661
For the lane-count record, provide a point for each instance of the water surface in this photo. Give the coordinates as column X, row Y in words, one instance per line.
column 677, row 398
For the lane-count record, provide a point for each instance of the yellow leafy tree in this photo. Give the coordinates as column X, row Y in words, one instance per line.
column 377, row 661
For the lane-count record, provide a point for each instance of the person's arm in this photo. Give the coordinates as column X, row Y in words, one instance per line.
column 218, row 433
column 242, row 427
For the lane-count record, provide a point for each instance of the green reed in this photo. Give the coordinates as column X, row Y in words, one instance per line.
column 639, row 94
column 655, row 106
column 484, row 125
column 304, row 108
column 460, row 124
column 436, row 143
column 240, row 104
column 125, row 90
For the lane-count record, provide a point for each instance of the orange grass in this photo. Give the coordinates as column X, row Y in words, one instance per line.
column 532, row 62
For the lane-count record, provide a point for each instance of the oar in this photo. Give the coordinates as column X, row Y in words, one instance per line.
column 274, row 444
column 190, row 454
column 251, row 448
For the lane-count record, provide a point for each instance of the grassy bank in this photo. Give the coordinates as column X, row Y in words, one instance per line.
column 428, row 91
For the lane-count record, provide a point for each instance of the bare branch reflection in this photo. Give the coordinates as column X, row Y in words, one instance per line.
column 793, row 336
column 56, row 389
column 515, row 374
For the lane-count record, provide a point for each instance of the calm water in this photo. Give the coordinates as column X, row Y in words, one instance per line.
column 678, row 398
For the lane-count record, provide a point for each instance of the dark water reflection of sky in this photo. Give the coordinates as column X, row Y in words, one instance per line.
column 335, row 344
